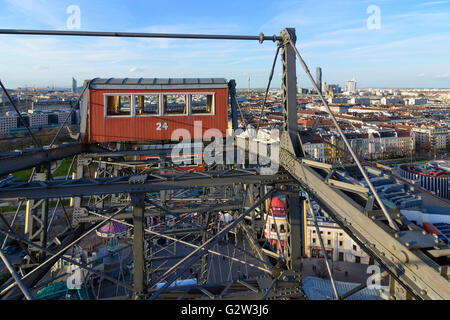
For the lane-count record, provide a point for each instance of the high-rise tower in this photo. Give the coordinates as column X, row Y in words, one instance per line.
column 351, row 86
column 319, row 78
column 74, row 85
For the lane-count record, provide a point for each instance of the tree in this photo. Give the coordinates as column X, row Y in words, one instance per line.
column 6, row 145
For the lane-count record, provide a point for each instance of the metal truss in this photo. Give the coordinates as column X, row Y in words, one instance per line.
column 223, row 194
column 16, row 161
column 133, row 184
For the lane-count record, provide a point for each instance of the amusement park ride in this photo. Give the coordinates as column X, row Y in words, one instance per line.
column 228, row 230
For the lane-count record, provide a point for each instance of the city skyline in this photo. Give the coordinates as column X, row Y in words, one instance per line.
column 242, row 87
column 408, row 50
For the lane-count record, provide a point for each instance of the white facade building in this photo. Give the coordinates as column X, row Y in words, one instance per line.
column 315, row 150
column 335, row 108
column 386, row 142
column 416, row 101
column 339, row 246
column 351, row 86
column 431, row 137
column 337, row 100
column 360, row 100
column 392, row 101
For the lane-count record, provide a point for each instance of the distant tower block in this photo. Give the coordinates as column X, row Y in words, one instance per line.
column 74, row 85
column 351, row 86
column 248, row 90
column 319, row 78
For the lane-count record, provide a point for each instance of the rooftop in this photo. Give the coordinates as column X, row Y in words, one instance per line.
column 321, row 289
column 436, row 168
column 100, row 83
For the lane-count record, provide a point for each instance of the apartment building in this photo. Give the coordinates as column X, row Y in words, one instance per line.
column 338, row 245
column 6, row 123
column 374, row 144
column 38, row 119
column 431, row 137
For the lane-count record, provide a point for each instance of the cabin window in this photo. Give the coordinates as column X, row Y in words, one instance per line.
column 147, row 104
column 118, row 105
column 201, row 103
column 175, row 104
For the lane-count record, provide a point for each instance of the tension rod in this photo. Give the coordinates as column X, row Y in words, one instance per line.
column 261, row 37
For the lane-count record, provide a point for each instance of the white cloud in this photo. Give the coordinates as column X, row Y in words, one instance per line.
column 442, row 75
column 421, row 75
column 425, row 47
column 136, row 69
column 432, row 3
column 40, row 11
column 321, row 43
column 40, row 68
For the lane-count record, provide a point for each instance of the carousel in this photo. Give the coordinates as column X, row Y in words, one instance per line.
column 112, row 231
column 114, row 252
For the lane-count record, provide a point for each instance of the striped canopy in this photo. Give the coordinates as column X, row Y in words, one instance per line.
column 112, row 229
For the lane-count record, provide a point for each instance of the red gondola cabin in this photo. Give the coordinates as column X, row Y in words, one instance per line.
column 144, row 109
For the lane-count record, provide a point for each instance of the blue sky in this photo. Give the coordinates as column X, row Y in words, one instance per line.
column 410, row 49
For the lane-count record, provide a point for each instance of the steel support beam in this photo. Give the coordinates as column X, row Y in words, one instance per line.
column 234, row 109
column 36, row 224
column 255, row 247
column 87, row 217
column 205, row 258
column 295, row 243
column 138, row 202
column 33, row 158
column 291, row 141
column 126, row 184
column 15, row 276
column 289, row 90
